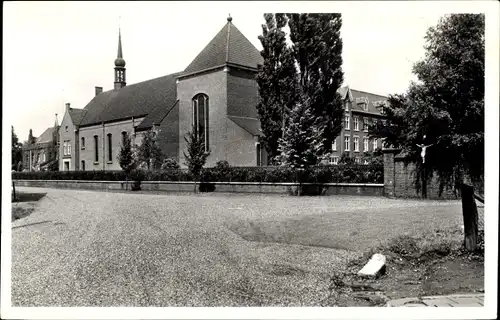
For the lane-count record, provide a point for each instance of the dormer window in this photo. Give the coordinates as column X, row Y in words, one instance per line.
column 380, row 105
column 362, row 103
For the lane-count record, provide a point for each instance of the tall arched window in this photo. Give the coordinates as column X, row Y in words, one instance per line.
column 96, row 149
column 124, row 137
column 200, row 116
column 110, row 147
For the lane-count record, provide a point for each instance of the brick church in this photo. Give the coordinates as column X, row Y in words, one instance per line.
column 216, row 92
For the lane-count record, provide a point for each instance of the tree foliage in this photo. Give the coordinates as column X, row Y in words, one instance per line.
column 303, row 140
column 277, row 81
column 317, row 50
column 126, row 156
column 196, row 155
column 16, row 150
column 170, row 163
column 346, row 158
column 446, row 105
column 149, row 152
column 306, row 72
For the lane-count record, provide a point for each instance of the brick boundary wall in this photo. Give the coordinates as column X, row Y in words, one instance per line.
column 358, row 189
column 399, row 179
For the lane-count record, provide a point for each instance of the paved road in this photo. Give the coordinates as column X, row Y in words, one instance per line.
column 84, row 248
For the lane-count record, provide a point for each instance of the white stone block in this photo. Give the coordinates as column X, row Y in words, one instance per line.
column 374, row 267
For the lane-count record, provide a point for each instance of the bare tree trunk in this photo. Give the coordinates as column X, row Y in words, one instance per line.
column 469, row 211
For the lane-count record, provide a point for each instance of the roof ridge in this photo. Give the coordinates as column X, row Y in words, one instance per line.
column 169, row 110
column 230, row 115
column 141, row 82
column 376, row 94
column 227, row 40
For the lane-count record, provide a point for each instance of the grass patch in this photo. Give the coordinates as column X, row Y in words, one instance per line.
column 24, row 204
column 28, row 196
column 21, row 211
column 431, row 263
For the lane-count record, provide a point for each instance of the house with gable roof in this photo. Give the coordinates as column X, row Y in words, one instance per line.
column 217, row 93
column 40, row 153
column 361, row 109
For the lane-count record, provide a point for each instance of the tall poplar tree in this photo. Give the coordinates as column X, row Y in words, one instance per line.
column 277, row 81
column 317, row 51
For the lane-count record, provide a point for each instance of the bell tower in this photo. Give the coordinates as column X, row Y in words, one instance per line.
column 120, row 79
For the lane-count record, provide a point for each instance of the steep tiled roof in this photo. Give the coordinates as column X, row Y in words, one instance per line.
column 156, row 116
column 47, row 135
column 76, row 115
column 251, row 125
column 135, row 100
column 229, row 46
column 371, row 99
column 344, row 93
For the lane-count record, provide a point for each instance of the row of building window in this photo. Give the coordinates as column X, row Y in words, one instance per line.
column 347, row 144
column 67, row 146
column 334, row 160
column 347, row 123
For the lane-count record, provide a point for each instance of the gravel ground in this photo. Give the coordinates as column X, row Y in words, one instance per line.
column 84, row 248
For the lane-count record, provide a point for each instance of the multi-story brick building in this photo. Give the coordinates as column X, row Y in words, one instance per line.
column 361, row 109
column 217, row 93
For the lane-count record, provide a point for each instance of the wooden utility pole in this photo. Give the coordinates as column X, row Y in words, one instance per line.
column 469, row 211
column 13, row 190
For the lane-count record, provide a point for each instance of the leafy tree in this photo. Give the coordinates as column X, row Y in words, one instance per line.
column 53, row 166
column 196, row 156
column 126, row 157
column 317, row 51
column 277, row 81
column 302, row 143
column 310, row 68
column 374, row 157
column 170, row 164
column 445, row 109
column 17, row 155
column 149, row 152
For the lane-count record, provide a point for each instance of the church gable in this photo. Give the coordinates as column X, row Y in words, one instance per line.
column 228, row 47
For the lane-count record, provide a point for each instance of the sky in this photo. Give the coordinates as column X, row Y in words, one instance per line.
column 57, row 52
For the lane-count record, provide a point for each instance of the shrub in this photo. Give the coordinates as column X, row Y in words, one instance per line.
column 222, row 172
column 170, row 164
column 137, row 176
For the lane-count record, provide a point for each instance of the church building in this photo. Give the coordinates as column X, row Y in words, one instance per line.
column 217, row 93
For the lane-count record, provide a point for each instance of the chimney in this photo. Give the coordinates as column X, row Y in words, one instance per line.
column 98, row 90
column 67, row 106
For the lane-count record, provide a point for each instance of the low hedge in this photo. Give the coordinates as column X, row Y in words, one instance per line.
column 321, row 174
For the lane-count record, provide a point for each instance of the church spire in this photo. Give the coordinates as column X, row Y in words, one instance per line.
column 120, row 80
column 120, row 55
